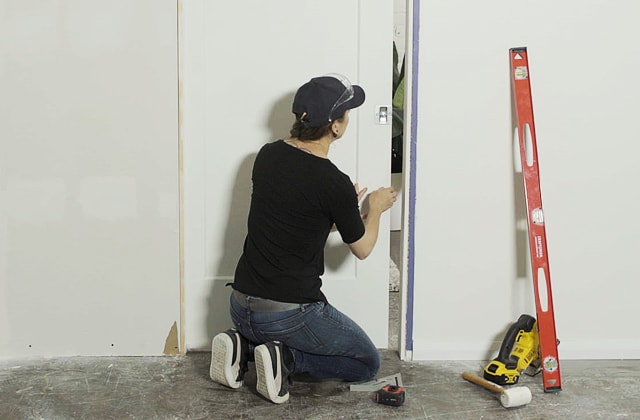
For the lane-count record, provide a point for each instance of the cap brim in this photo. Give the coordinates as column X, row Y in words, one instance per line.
column 358, row 97
column 356, row 101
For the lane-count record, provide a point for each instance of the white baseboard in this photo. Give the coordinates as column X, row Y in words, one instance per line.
column 567, row 350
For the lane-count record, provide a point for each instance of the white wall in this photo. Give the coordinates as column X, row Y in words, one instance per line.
column 89, row 260
column 88, row 176
column 470, row 264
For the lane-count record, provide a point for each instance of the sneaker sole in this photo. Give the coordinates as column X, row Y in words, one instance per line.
column 266, row 384
column 221, row 369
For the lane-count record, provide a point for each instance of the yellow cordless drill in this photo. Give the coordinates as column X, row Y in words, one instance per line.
column 519, row 351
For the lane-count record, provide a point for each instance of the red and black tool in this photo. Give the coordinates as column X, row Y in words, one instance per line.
column 390, row 395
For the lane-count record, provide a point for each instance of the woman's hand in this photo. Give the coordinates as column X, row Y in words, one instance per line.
column 360, row 192
column 382, row 199
column 379, row 201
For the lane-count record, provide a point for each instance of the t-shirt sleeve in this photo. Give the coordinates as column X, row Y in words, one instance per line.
column 346, row 212
column 350, row 235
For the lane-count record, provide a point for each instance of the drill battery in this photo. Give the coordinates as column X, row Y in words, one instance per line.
column 390, row 395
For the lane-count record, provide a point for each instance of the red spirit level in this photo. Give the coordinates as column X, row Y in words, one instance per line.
column 526, row 135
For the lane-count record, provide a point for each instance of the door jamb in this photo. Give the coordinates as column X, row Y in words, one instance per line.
column 409, row 179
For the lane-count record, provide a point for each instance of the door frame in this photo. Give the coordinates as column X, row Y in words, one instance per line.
column 405, row 342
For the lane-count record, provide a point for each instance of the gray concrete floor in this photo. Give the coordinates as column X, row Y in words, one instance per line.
column 178, row 387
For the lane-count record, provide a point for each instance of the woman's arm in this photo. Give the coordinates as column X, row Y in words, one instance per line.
column 380, row 201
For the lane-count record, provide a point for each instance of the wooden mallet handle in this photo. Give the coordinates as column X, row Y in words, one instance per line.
column 483, row 382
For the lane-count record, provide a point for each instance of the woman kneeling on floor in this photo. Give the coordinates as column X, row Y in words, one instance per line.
column 282, row 319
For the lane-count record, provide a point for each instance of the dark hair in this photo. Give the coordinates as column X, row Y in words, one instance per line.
column 302, row 132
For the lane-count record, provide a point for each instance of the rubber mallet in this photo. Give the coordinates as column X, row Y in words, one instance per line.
column 509, row 397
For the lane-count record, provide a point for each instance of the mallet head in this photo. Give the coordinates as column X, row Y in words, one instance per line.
column 515, row 397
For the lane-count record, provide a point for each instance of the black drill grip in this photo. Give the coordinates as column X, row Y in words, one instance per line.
column 524, row 323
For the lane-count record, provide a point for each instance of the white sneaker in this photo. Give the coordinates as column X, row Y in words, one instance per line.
column 274, row 364
column 228, row 358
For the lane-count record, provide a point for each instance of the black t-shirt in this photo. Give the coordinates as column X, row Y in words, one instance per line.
column 297, row 197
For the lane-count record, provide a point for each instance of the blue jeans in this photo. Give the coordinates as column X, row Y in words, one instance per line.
column 325, row 343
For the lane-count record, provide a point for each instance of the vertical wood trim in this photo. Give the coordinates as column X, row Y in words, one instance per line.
column 182, row 347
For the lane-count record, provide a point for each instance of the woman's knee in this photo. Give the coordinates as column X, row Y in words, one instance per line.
column 374, row 366
column 370, row 368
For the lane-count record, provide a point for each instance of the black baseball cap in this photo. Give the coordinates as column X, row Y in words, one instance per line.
column 323, row 99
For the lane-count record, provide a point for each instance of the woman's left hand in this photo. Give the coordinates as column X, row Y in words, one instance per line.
column 360, row 192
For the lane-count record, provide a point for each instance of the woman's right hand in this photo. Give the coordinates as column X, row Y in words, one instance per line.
column 382, row 199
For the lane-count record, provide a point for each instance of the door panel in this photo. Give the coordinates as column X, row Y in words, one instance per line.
column 240, row 71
